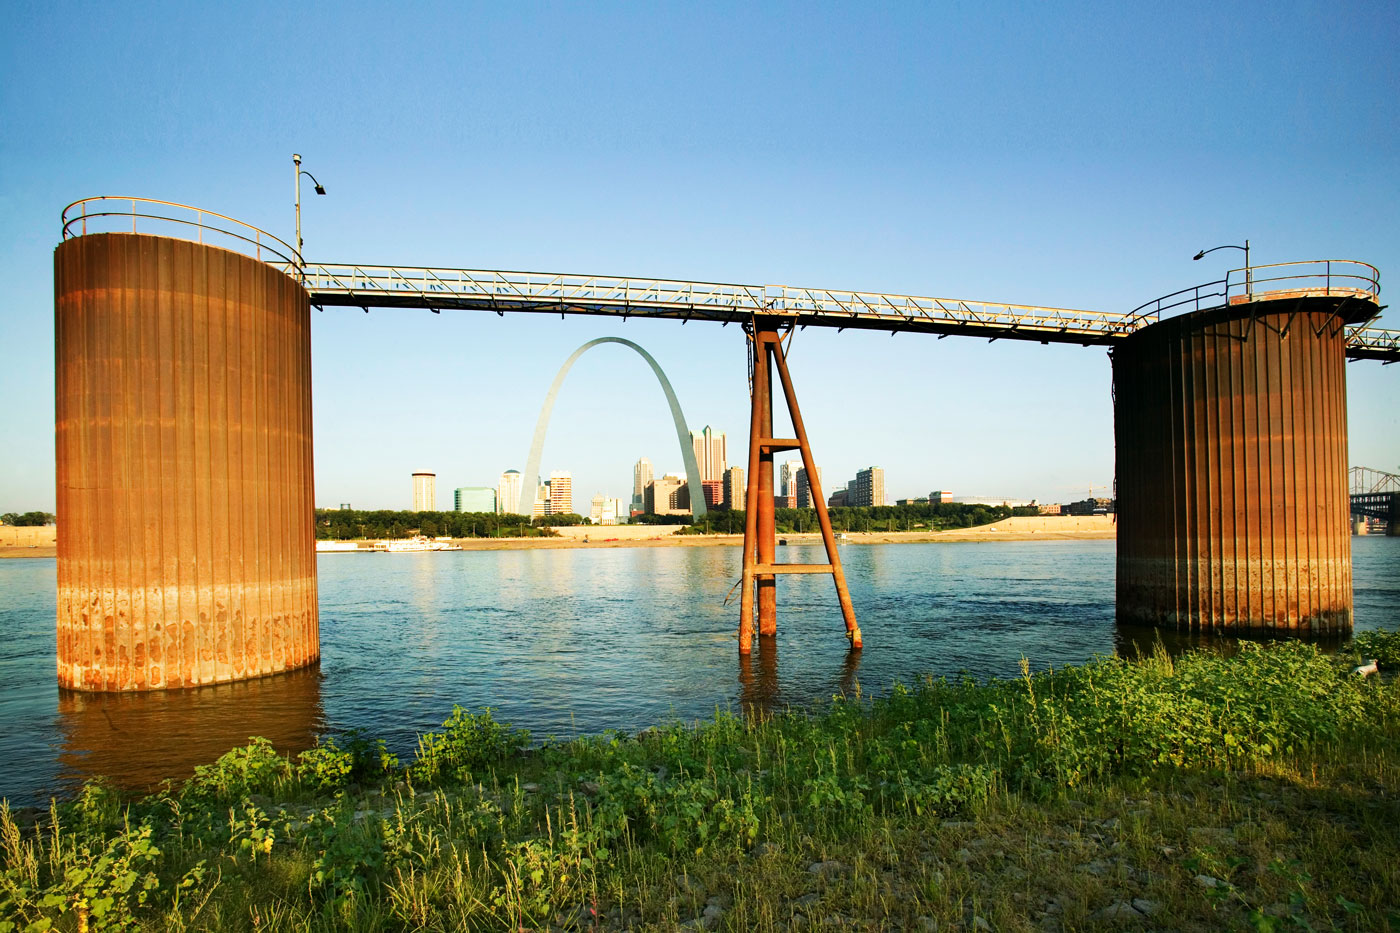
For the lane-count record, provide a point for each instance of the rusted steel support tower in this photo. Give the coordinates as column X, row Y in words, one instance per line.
column 1231, row 434
column 183, row 435
column 761, row 568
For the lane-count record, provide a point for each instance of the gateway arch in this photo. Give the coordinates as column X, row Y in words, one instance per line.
column 531, row 480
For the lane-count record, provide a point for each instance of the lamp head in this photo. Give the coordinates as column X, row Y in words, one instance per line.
column 296, row 158
column 320, row 190
column 1199, row 255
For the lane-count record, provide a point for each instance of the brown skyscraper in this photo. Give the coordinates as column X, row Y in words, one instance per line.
column 734, row 488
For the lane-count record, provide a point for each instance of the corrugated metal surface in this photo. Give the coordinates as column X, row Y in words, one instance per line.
column 1232, row 470
column 186, row 552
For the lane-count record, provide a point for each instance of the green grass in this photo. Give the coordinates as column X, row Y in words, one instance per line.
column 1198, row 793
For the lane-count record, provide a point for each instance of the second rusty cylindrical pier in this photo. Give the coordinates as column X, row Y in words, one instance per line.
column 183, row 435
column 1230, row 427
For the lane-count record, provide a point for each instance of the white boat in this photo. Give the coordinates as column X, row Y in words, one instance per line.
column 419, row 543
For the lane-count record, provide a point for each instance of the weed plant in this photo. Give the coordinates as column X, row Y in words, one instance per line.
column 1199, row 792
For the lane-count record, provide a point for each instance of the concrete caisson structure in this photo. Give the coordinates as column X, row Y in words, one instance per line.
column 183, row 442
column 1231, row 434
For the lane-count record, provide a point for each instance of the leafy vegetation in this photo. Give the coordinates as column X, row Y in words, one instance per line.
column 1383, row 647
column 27, row 519
column 888, row 518
column 1202, row 792
column 347, row 524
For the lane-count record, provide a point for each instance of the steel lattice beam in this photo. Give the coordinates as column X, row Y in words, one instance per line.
column 367, row 286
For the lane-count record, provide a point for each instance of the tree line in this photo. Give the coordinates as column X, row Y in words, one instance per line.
column 348, row 524
column 27, row 519
column 919, row 517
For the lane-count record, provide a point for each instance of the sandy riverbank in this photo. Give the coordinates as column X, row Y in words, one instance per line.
column 1042, row 528
column 28, row 541
column 1038, row 528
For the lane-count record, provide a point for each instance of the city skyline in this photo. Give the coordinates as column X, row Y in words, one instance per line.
column 866, row 489
column 1091, row 187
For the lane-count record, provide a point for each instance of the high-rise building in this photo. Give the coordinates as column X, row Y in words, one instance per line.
column 868, row 489
column 838, row 498
column 709, row 454
column 714, row 492
column 474, row 499
column 787, row 478
column 669, row 495
column 561, row 492
column 605, row 511
column 425, row 492
column 508, row 491
column 540, row 508
column 804, row 489
column 734, row 488
column 641, row 477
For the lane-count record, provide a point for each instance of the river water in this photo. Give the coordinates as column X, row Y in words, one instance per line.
column 567, row 642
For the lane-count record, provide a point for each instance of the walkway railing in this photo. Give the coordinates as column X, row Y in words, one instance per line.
column 1373, row 343
column 401, row 286
column 1321, row 278
column 119, row 214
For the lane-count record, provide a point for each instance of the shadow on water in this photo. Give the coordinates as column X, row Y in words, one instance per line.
column 760, row 692
column 177, row 730
column 1139, row 641
column 850, row 670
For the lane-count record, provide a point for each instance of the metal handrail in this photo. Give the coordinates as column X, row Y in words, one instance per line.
column 1341, row 277
column 359, row 283
column 261, row 240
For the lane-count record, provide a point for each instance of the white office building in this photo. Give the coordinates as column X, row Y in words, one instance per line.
column 424, row 492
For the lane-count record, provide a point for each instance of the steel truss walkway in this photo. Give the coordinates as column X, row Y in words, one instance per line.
column 367, row 286
column 386, row 286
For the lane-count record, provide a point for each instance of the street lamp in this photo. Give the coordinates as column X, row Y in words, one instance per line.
column 1248, row 274
column 296, row 166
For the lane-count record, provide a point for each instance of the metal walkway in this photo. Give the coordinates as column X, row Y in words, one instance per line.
column 378, row 286
column 366, row 286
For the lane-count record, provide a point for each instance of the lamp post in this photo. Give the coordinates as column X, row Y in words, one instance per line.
column 1248, row 273
column 299, row 171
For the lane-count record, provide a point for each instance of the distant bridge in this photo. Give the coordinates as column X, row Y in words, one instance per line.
column 1376, row 494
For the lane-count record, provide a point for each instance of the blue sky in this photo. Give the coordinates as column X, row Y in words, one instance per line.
column 1071, row 155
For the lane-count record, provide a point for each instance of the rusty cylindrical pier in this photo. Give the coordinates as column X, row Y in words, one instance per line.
column 185, row 549
column 1231, row 434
